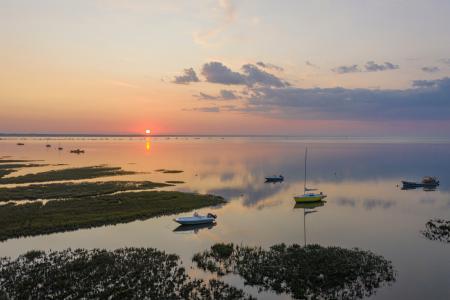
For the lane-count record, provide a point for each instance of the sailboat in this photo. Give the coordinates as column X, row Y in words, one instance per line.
column 308, row 197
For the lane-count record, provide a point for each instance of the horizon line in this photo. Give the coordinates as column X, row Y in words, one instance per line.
column 6, row 134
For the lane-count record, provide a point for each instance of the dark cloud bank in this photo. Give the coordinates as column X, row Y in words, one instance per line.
column 428, row 100
column 265, row 93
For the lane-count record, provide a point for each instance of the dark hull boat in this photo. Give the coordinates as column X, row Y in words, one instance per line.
column 427, row 182
column 275, row 179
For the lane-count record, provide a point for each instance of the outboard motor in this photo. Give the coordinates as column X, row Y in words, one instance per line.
column 210, row 215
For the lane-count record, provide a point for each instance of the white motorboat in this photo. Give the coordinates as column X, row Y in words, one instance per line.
column 196, row 219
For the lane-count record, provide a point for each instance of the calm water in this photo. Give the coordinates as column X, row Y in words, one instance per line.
column 365, row 208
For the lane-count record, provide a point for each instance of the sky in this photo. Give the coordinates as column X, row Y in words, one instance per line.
column 307, row 68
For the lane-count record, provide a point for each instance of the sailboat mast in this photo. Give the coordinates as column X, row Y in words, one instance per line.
column 306, row 155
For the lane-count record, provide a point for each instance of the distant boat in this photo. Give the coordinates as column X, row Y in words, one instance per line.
column 20, row 144
column 60, row 148
column 427, row 182
column 275, row 178
column 48, row 145
column 196, row 219
column 77, row 151
column 308, row 197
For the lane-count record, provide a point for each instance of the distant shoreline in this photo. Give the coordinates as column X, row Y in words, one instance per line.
column 103, row 135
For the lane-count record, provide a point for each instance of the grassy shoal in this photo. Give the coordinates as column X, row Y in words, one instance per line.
column 67, row 174
column 9, row 168
column 127, row 273
column 74, row 190
column 65, row 215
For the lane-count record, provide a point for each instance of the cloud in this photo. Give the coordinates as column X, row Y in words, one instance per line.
column 214, row 109
column 254, row 75
column 223, row 95
column 445, row 61
column 370, row 204
column 188, row 76
column 371, row 66
column 430, row 69
column 427, row 100
column 269, row 66
column 310, row 64
column 425, row 83
column 228, row 16
column 228, row 95
column 216, row 72
column 346, row 69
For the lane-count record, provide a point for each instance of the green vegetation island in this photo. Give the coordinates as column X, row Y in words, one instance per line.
column 309, row 272
column 127, row 273
column 67, row 206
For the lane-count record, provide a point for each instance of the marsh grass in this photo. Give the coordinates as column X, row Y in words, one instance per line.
column 174, row 181
column 437, row 230
column 127, row 273
column 310, row 272
column 71, row 214
column 2, row 160
column 67, row 174
column 73, row 190
column 165, row 171
column 8, row 168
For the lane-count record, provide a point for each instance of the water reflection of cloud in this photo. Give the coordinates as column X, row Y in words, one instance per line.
column 227, row 176
column 427, row 200
column 346, row 202
column 370, row 204
column 251, row 195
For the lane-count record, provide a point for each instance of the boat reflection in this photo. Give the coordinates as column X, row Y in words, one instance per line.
column 193, row 228
column 424, row 188
column 308, row 208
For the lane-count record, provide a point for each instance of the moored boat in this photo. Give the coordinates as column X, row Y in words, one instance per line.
column 275, row 178
column 308, row 197
column 427, row 182
column 196, row 219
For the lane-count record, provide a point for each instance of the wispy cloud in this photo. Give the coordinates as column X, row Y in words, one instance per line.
column 223, row 95
column 269, row 66
column 310, row 64
column 445, row 61
column 430, row 69
column 228, row 16
column 217, row 72
column 371, row 66
column 346, row 69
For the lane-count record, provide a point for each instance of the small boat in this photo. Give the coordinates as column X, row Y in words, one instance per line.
column 48, row 145
column 308, row 197
column 20, row 144
column 275, row 178
column 60, row 148
column 427, row 182
column 196, row 219
column 77, row 151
